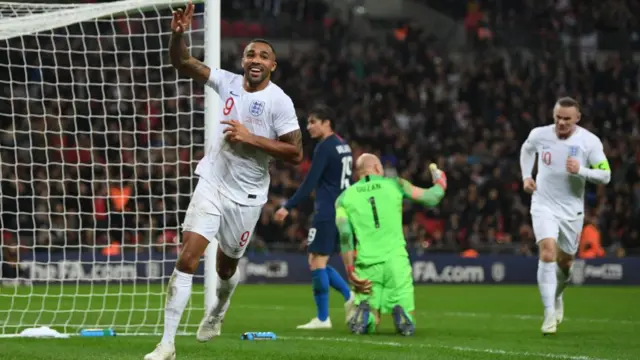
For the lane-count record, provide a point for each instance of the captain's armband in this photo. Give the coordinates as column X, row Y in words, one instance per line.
column 602, row 165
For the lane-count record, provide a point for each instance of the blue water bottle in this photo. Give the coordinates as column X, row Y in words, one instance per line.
column 97, row 332
column 268, row 335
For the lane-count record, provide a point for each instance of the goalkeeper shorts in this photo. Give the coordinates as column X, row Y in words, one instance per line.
column 392, row 284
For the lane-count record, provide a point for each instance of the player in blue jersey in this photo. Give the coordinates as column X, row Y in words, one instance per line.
column 330, row 174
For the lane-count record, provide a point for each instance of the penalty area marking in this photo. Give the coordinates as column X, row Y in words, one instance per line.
column 464, row 349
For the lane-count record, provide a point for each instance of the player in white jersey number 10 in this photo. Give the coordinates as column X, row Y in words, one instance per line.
column 258, row 122
column 568, row 156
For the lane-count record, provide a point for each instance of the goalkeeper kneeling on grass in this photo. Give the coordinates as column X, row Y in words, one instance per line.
column 371, row 209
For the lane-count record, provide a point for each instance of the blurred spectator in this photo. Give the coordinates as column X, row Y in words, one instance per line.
column 9, row 257
column 590, row 244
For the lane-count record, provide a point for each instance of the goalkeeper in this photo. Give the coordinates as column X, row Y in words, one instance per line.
column 371, row 209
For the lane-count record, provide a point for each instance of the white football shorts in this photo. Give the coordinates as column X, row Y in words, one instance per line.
column 215, row 216
column 566, row 232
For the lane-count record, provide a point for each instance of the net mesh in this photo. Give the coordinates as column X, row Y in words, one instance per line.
column 98, row 142
column 16, row 10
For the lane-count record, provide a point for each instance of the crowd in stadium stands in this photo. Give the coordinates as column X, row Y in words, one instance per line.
column 293, row 19
column 115, row 164
column 549, row 24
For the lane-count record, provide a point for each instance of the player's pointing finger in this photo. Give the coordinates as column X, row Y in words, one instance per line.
column 190, row 8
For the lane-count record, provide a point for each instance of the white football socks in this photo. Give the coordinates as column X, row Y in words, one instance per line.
column 563, row 280
column 547, row 282
column 178, row 293
column 224, row 291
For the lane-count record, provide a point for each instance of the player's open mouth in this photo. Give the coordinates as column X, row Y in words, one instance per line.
column 256, row 71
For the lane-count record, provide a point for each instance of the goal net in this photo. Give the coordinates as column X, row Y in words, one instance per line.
column 98, row 142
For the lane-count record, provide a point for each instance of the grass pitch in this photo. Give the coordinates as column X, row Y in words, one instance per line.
column 453, row 322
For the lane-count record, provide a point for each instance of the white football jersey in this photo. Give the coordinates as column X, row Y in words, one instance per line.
column 239, row 171
column 557, row 190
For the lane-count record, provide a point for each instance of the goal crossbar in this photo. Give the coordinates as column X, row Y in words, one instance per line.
column 53, row 16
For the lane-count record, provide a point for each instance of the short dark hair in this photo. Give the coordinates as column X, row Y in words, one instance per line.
column 264, row 41
column 323, row 113
column 568, row 102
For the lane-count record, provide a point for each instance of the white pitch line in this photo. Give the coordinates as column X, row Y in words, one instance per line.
column 538, row 317
column 468, row 314
column 464, row 349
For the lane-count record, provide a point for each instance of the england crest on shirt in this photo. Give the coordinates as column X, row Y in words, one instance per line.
column 573, row 151
column 256, row 107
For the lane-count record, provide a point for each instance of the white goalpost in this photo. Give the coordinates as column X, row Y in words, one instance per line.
column 99, row 138
column 212, row 51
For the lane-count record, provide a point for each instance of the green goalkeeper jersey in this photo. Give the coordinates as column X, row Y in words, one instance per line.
column 373, row 206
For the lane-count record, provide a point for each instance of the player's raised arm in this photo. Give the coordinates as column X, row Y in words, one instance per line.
column 428, row 197
column 600, row 172
column 186, row 64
